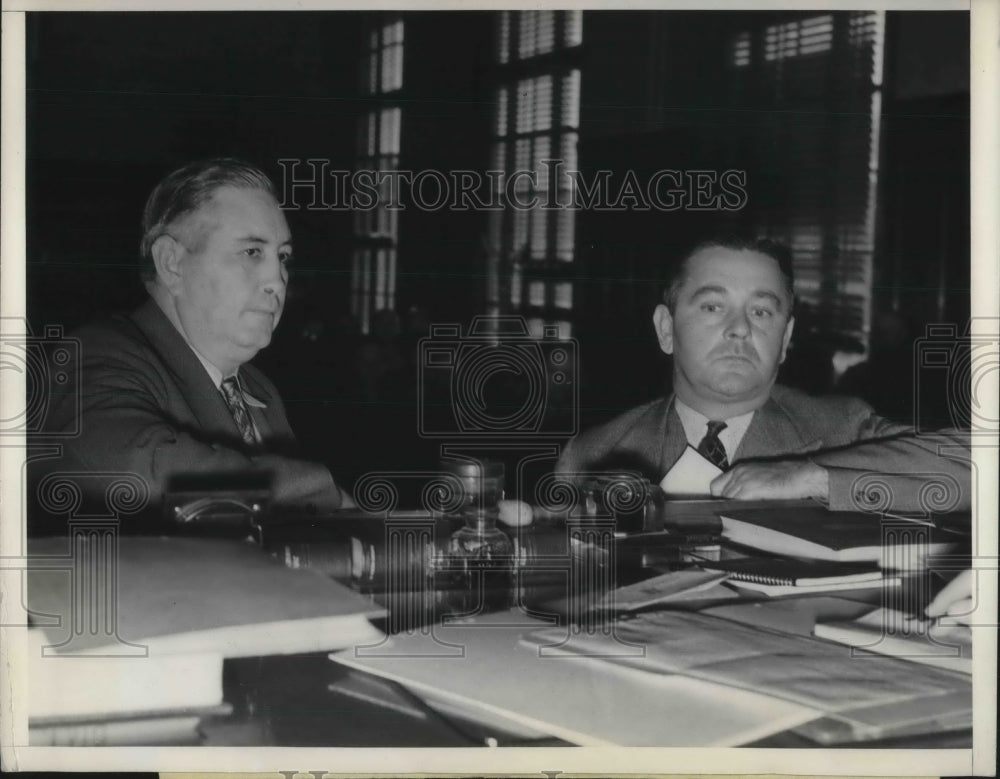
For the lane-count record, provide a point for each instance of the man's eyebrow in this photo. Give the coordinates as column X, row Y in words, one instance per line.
column 258, row 239
column 707, row 289
column 769, row 295
column 715, row 289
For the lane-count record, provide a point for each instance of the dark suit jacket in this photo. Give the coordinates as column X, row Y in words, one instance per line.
column 871, row 461
column 148, row 407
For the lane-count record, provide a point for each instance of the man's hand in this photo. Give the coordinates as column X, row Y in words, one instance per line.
column 955, row 600
column 773, row 481
column 303, row 483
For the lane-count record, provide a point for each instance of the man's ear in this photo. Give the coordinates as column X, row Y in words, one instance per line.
column 786, row 338
column 167, row 254
column 663, row 322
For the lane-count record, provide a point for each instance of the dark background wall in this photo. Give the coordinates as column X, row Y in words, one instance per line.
column 924, row 263
column 116, row 100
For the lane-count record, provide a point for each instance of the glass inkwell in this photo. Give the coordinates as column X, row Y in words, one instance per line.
column 479, row 555
column 479, row 538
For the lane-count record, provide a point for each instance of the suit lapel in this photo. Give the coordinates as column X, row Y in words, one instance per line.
column 652, row 443
column 267, row 424
column 674, row 439
column 772, row 433
column 202, row 397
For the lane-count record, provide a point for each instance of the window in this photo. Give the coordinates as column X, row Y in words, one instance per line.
column 796, row 39
column 376, row 230
column 817, row 87
column 537, row 123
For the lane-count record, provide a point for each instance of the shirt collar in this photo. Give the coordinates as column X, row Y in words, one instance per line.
column 217, row 378
column 696, row 425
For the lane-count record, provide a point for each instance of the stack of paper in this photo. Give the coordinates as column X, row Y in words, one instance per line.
column 816, row 674
column 891, row 632
column 841, row 536
column 483, row 670
column 137, row 630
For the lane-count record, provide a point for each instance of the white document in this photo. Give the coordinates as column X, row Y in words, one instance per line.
column 690, row 475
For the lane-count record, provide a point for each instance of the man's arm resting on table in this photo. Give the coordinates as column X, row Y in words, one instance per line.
column 123, row 429
column 901, row 466
column 157, row 453
column 773, row 481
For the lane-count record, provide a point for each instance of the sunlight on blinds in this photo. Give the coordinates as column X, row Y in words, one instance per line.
column 565, row 233
column 799, row 38
column 503, row 37
column 390, row 131
column 568, row 145
column 385, row 280
column 542, row 155
column 536, row 125
column 825, row 161
column 570, row 102
column 572, row 28
column 380, row 277
column 515, row 286
column 501, row 124
column 373, row 270
column 534, row 104
column 536, row 293
column 741, row 50
column 525, row 105
column 563, row 294
column 536, row 33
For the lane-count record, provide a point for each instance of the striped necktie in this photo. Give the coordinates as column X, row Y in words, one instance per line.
column 238, row 408
column 711, row 447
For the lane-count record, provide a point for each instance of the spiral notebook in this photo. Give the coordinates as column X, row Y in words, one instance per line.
column 783, row 576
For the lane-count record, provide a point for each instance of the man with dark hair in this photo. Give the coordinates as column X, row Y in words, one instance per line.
column 167, row 390
column 726, row 320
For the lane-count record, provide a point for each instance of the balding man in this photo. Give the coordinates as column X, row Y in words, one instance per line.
column 168, row 390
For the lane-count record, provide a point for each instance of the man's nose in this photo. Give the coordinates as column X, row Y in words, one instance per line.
column 738, row 325
column 274, row 277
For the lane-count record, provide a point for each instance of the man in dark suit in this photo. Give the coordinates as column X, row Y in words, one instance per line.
column 167, row 391
column 727, row 321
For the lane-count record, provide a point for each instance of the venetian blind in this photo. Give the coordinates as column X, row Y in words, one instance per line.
column 813, row 84
column 376, row 230
column 536, row 122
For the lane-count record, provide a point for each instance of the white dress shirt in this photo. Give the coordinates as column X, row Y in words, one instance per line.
column 696, row 425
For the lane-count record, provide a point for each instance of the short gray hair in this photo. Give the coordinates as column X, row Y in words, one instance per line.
column 186, row 190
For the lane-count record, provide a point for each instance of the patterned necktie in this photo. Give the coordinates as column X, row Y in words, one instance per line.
column 238, row 408
column 711, row 447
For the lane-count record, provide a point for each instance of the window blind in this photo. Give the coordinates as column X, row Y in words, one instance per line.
column 537, row 120
column 376, row 230
column 813, row 84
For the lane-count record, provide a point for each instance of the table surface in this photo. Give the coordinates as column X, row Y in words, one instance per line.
column 307, row 700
